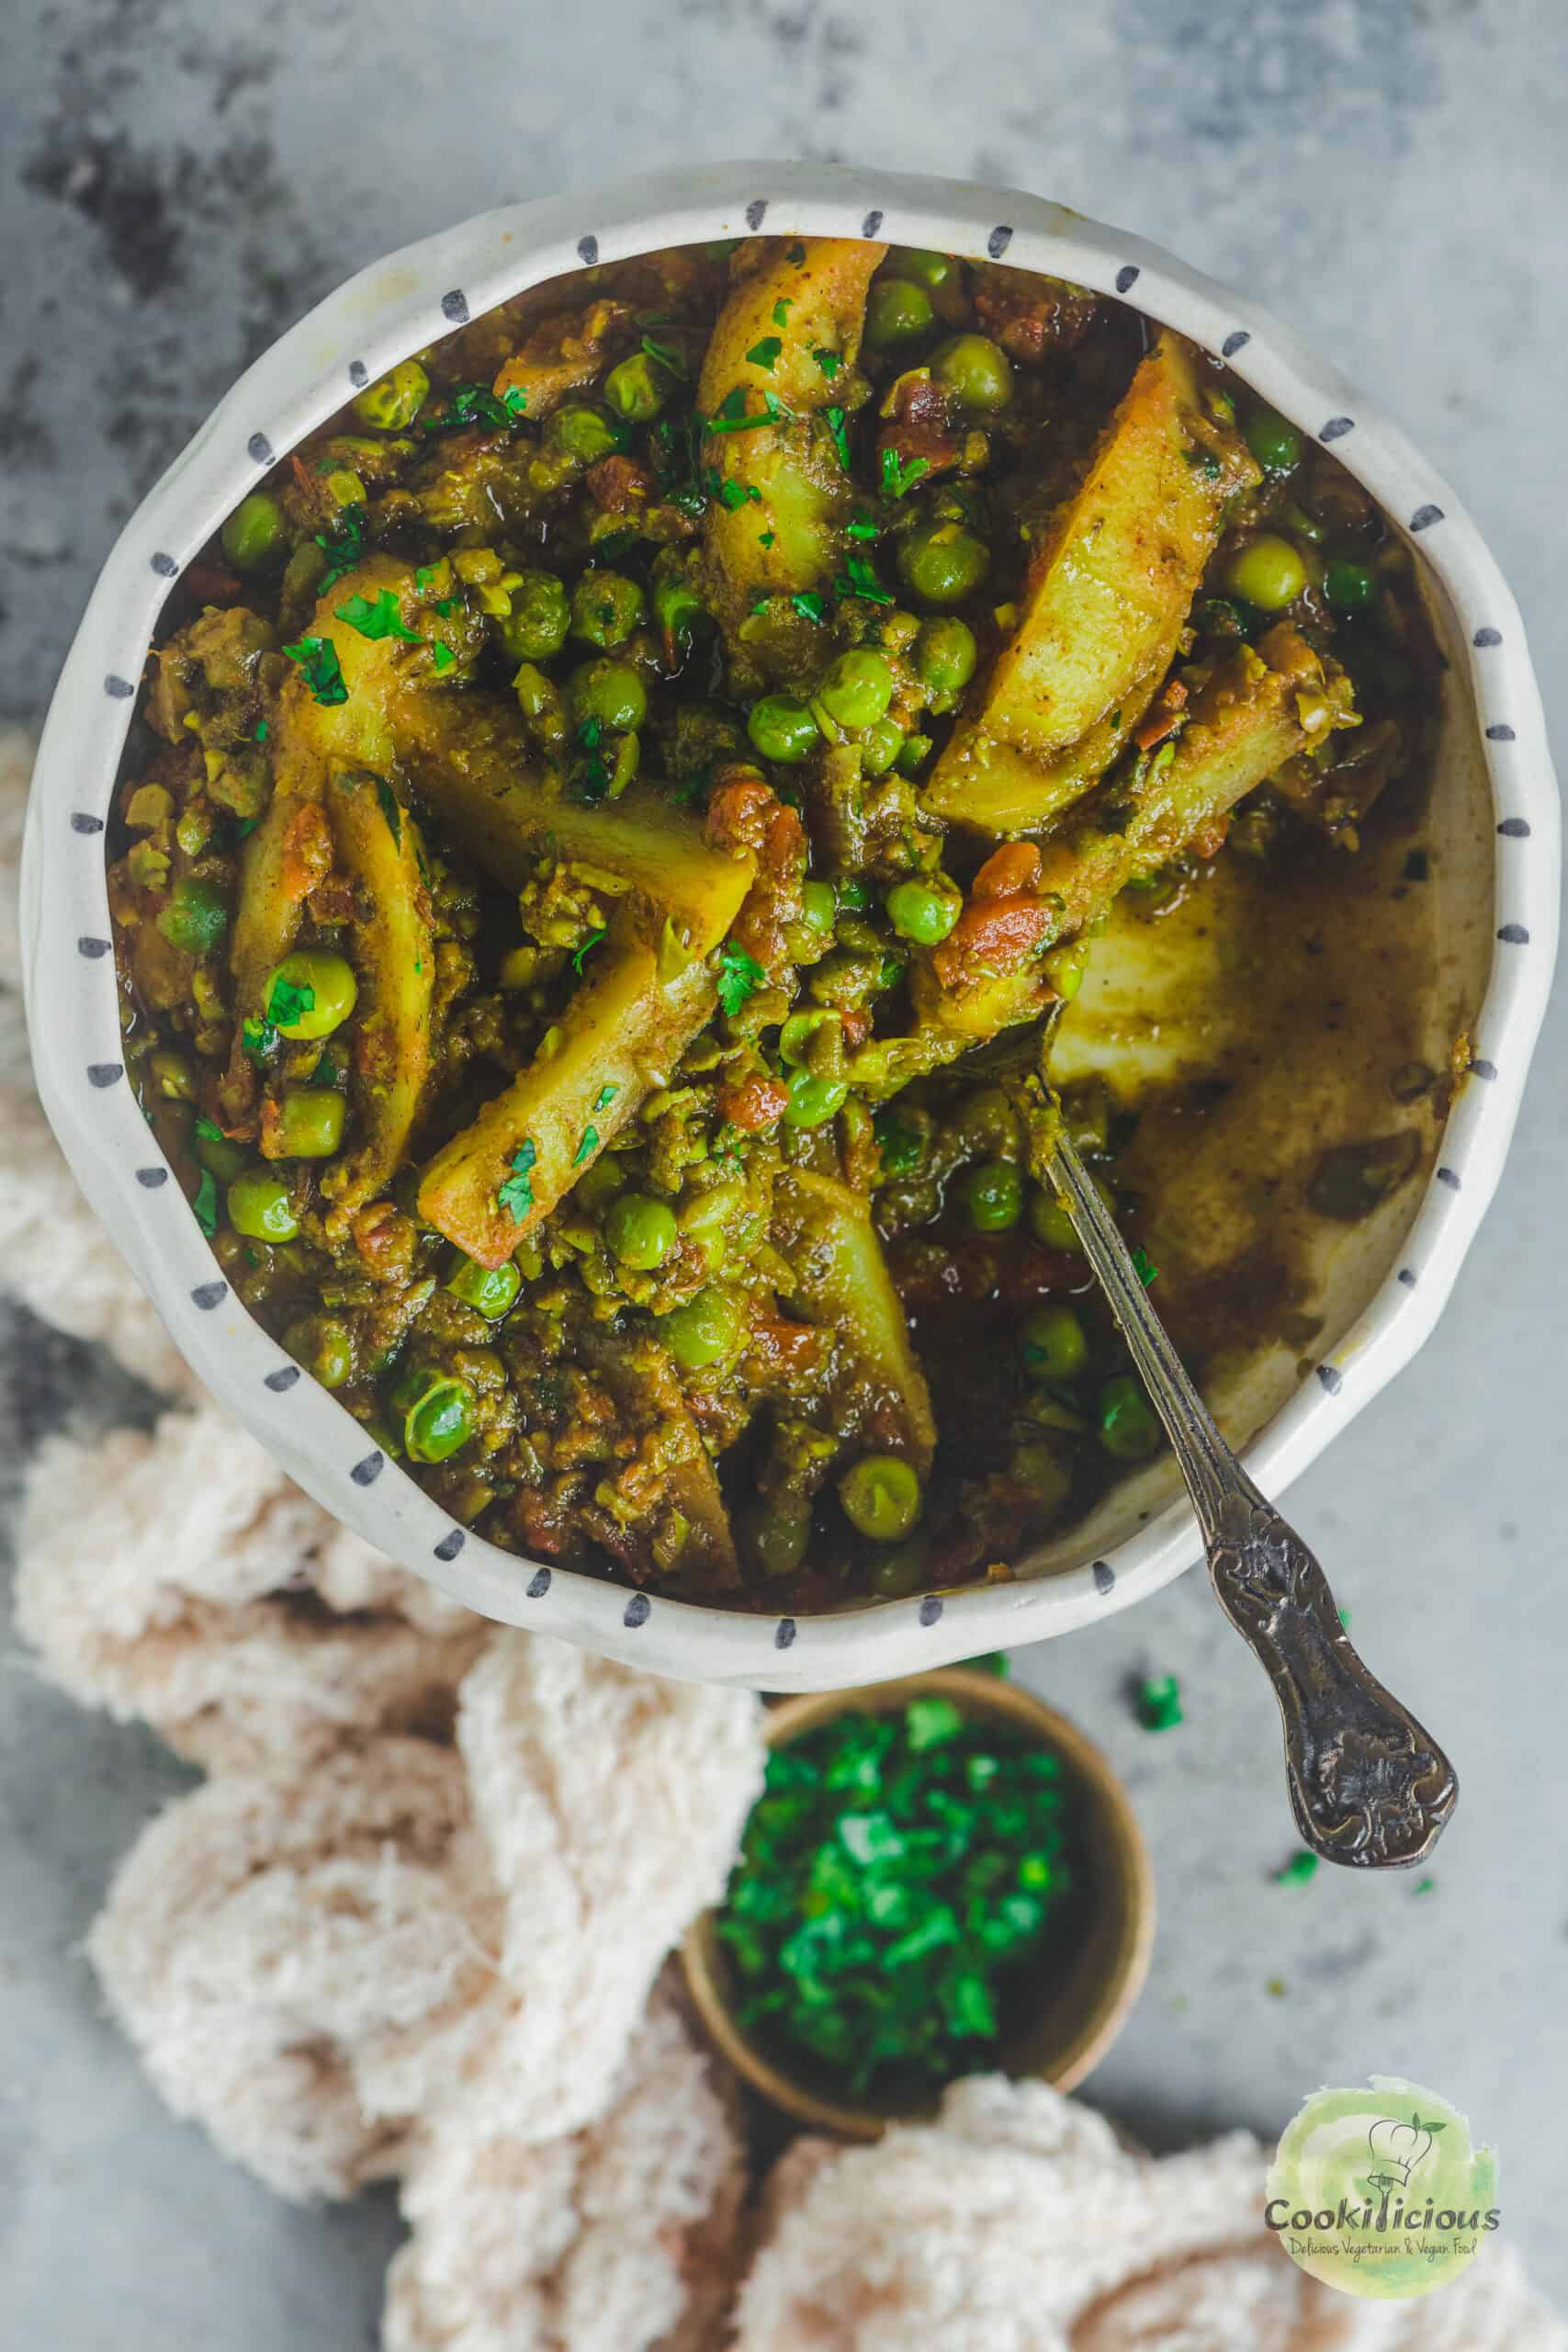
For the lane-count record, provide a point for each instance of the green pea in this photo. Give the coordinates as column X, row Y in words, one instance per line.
column 262, row 1206
column 881, row 1497
column 899, row 1575
column 324, row 1347
column 605, row 608
column 1350, row 587
column 795, row 1036
column 922, row 911
column 539, row 620
column 913, row 754
column 585, row 433
column 944, row 654
column 977, row 371
column 220, row 1153
column 1052, row 1224
column 993, row 1196
column 611, row 692
column 677, row 607
column 925, row 267
column 488, row 1290
column 782, row 728
column 197, row 915
column 638, row 388
column 880, row 746
column 858, row 688
column 254, row 535
column 310, row 994
column 1129, row 1427
column 813, row 1100
column 818, row 908
column 943, row 562
column 1054, row 1345
column 897, row 311
column 1274, row 442
column 704, row 1331
column 310, row 1122
column 1267, row 572
column 640, row 1231
column 395, row 399
column 437, row 1415
column 776, row 1532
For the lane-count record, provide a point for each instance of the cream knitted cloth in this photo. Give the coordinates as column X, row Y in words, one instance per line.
column 414, row 1924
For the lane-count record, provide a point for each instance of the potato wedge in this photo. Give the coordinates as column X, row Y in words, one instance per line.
column 469, row 760
column 619, row 1038
column 646, row 1386
column 394, row 959
column 783, row 481
column 824, row 1232
column 1104, row 606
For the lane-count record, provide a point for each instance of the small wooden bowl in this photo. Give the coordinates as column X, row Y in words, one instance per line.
column 1084, row 1998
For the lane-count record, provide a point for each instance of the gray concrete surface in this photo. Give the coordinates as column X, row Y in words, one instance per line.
column 180, row 182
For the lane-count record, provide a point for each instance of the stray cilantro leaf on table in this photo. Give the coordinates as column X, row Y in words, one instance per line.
column 1159, row 1703
column 1298, row 1870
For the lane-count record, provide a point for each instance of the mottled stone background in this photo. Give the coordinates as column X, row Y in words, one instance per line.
column 180, row 182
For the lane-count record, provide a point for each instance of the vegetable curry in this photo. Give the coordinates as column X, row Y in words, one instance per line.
column 614, row 816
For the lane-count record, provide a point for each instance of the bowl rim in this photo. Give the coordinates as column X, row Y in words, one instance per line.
column 982, row 1695
column 395, row 307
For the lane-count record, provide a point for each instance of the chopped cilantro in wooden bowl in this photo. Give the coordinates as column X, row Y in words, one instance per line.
column 942, row 1877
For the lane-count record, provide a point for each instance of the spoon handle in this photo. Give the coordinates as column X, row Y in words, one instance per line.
column 1368, row 1786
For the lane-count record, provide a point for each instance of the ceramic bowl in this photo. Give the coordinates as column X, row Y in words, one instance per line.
column 1077, row 2008
column 1494, row 801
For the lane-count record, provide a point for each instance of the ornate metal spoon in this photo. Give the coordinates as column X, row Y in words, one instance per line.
column 1368, row 1786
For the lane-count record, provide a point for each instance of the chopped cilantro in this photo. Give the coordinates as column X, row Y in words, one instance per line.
column 378, row 620
column 835, row 417
column 765, row 354
column 207, row 1129
column 900, row 1876
column 781, row 309
column 1425, row 1885
column 343, row 548
column 765, row 539
column 731, row 494
column 808, row 604
column 588, row 945
column 796, row 254
column 288, row 1000
column 258, row 1041
column 776, row 410
column 471, row 404
column 604, row 1097
column 442, row 655
column 897, row 477
column 864, row 527
column 730, row 415
column 426, row 578
column 514, row 401
column 664, row 355
column 859, row 579
column 739, row 977
column 829, row 361
column 902, row 1148
column 319, row 667
column 388, row 800
column 206, row 1204
column 260, row 736
column 1298, row 1870
column 1159, row 1703
column 587, row 1148
column 517, row 1195
column 1144, row 1268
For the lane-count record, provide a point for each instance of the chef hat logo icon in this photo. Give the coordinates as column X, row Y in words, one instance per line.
column 1398, row 2148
